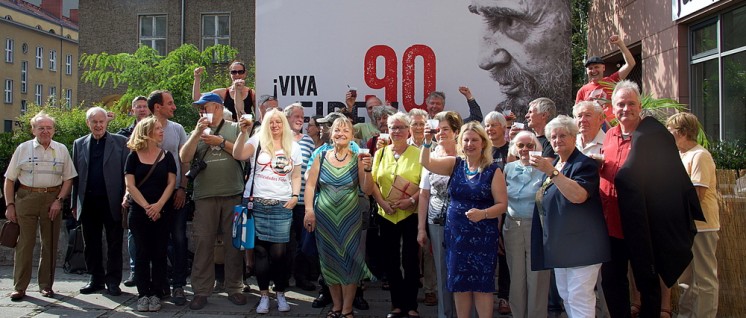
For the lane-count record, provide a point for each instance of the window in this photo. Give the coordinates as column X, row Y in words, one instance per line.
column 69, row 64
column 39, row 57
column 37, row 94
column 24, row 77
column 53, row 60
column 153, row 32
column 9, row 50
column 53, row 94
column 68, row 97
column 215, row 30
column 8, row 125
column 24, row 107
column 8, row 91
column 717, row 68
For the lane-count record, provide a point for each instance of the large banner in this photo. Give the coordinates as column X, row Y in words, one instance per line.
column 507, row 52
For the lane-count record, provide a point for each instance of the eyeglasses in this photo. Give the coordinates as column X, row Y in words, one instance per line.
column 398, row 128
column 234, row 72
column 522, row 145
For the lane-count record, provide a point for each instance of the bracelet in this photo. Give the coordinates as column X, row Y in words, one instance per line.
column 485, row 214
column 411, row 199
column 368, row 170
column 9, row 204
column 294, row 195
column 427, row 145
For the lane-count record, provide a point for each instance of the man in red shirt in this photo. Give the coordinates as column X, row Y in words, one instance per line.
column 595, row 90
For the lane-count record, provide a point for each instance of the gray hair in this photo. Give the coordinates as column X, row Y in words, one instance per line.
column 402, row 117
column 544, row 105
column 592, row 105
column 513, row 149
column 290, row 108
column 436, row 94
column 384, row 110
column 41, row 116
column 418, row 112
column 562, row 122
column 93, row 111
column 496, row 116
column 626, row 85
column 137, row 99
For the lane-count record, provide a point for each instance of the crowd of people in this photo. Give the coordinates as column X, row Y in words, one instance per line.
column 554, row 210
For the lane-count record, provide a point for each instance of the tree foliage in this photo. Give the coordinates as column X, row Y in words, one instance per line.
column 145, row 71
column 579, row 9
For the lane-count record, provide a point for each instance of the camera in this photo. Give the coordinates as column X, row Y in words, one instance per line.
column 196, row 168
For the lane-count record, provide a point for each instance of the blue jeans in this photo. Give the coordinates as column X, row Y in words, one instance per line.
column 177, row 220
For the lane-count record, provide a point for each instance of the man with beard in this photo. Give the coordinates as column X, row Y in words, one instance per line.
column 599, row 88
column 526, row 48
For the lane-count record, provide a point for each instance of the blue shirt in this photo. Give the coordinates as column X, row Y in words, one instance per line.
column 523, row 182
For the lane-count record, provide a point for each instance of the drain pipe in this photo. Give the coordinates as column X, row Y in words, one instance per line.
column 182, row 21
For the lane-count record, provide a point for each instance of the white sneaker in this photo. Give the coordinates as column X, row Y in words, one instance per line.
column 155, row 303
column 263, row 306
column 143, row 304
column 282, row 303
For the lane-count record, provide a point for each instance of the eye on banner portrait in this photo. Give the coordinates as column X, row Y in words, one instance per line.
column 507, row 52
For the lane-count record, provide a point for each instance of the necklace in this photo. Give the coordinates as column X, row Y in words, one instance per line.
column 469, row 172
column 343, row 158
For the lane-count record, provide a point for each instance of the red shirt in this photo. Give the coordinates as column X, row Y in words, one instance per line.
column 595, row 91
column 615, row 150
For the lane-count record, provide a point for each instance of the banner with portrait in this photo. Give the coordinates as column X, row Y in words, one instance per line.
column 507, row 52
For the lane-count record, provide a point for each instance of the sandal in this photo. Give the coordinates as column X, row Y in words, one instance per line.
column 634, row 309
column 666, row 313
column 349, row 314
column 334, row 314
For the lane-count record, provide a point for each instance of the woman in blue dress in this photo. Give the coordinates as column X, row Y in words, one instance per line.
column 478, row 200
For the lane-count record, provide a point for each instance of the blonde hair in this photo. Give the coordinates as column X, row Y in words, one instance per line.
column 342, row 122
column 142, row 133
column 486, row 156
column 686, row 123
column 265, row 134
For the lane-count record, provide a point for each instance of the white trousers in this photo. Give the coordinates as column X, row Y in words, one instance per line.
column 575, row 286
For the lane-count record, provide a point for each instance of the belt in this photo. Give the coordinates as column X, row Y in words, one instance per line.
column 33, row 189
column 267, row 201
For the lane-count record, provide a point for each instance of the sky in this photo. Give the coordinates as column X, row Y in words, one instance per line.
column 66, row 5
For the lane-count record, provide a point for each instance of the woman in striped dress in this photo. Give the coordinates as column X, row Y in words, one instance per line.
column 336, row 215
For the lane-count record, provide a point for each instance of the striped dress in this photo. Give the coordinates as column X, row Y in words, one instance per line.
column 339, row 225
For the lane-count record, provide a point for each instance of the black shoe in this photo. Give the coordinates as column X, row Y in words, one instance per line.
column 396, row 315
column 114, row 290
column 322, row 301
column 305, row 285
column 91, row 288
column 130, row 282
column 360, row 303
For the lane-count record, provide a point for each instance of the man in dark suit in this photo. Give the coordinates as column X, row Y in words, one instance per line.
column 97, row 194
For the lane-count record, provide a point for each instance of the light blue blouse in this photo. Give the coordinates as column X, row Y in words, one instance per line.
column 523, row 182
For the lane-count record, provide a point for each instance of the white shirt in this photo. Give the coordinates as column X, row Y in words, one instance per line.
column 37, row 167
column 592, row 147
column 274, row 175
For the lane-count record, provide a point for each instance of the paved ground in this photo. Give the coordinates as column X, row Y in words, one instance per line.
column 70, row 303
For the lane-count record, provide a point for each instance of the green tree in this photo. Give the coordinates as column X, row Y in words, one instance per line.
column 579, row 40
column 145, row 71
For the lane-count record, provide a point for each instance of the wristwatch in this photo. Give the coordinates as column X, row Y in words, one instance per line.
column 411, row 199
column 222, row 144
column 61, row 199
column 554, row 174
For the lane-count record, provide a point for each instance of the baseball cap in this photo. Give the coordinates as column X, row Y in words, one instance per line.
column 330, row 118
column 208, row 97
column 594, row 60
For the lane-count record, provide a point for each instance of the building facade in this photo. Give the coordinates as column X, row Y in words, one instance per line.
column 693, row 51
column 121, row 26
column 40, row 57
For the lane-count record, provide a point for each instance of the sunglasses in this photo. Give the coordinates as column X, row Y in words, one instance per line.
column 522, row 145
column 240, row 72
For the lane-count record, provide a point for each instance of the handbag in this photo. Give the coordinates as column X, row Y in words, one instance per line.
column 9, row 234
column 75, row 254
column 126, row 211
column 243, row 231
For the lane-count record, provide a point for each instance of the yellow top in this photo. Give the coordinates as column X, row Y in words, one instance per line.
column 385, row 170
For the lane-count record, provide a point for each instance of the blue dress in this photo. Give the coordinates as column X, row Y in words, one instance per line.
column 471, row 248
